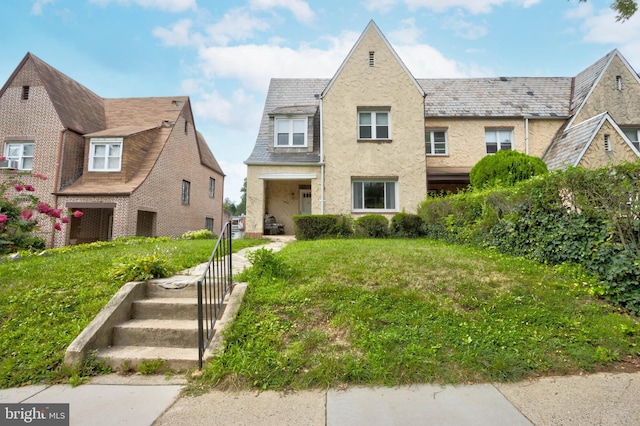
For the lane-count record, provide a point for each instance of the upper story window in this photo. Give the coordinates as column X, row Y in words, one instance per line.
column 633, row 133
column 618, row 82
column 186, row 192
column 20, row 154
column 498, row 139
column 212, row 187
column 374, row 195
column 372, row 58
column 607, row 143
column 374, row 125
column 291, row 132
column 436, row 142
column 25, row 93
column 105, row 155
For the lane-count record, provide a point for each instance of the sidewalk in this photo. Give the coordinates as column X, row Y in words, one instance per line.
column 599, row 399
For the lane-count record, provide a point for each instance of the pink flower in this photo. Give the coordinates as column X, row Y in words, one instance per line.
column 3, row 218
column 2, row 158
column 54, row 213
column 65, row 219
column 77, row 213
column 18, row 187
column 42, row 207
column 57, row 227
column 29, row 188
column 26, row 214
column 40, row 176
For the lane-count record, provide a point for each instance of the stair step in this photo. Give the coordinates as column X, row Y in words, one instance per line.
column 179, row 308
column 156, row 332
column 131, row 357
column 173, row 287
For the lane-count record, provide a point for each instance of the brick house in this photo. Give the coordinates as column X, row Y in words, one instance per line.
column 134, row 166
column 374, row 139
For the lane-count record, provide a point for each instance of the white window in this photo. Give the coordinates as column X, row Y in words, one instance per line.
column 291, row 132
column 436, row 142
column 607, row 143
column 373, row 125
column 618, row 82
column 498, row 139
column 374, row 195
column 20, row 153
column 186, row 192
column 105, row 155
column 633, row 133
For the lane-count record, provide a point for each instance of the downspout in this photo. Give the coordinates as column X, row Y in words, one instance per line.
column 321, row 160
column 56, row 184
column 526, row 135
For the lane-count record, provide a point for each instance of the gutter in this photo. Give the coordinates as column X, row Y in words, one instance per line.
column 56, row 183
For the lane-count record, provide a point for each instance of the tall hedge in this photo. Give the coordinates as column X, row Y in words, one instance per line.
column 505, row 168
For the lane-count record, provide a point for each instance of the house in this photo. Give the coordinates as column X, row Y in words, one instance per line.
column 134, row 166
column 374, row 139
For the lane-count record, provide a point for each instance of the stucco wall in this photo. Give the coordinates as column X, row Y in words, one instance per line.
column 622, row 105
column 596, row 156
column 384, row 85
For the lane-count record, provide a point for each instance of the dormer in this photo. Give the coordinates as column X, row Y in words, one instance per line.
column 292, row 128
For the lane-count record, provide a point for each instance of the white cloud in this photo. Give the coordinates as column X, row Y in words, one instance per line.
column 408, row 33
column 239, row 111
column 235, row 25
column 235, row 173
column 177, row 35
column 166, row 5
column 36, row 9
column 424, row 61
column 473, row 6
column 300, row 9
column 464, row 28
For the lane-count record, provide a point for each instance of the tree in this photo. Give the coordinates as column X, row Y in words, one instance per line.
column 241, row 208
column 625, row 8
column 230, row 207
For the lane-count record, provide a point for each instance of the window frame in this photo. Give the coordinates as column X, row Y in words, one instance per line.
column 185, row 197
column 212, row 187
column 21, row 157
column 431, row 143
column 209, row 223
column 108, row 143
column 291, row 131
column 636, row 142
column 498, row 144
column 373, row 118
column 390, row 200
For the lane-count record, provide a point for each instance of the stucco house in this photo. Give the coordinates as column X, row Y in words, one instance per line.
column 374, row 139
column 134, row 166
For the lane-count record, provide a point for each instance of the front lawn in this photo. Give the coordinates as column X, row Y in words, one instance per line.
column 46, row 301
column 388, row 312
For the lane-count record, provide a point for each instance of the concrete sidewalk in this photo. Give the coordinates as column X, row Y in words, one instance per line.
column 598, row 399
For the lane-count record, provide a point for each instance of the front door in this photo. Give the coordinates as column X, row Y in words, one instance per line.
column 305, row 201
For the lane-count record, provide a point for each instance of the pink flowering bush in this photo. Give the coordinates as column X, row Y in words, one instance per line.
column 19, row 209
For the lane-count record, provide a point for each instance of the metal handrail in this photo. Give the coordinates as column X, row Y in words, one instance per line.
column 214, row 284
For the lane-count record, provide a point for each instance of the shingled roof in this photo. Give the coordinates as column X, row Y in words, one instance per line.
column 567, row 149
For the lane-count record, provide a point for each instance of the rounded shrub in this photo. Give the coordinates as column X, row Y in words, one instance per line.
column 505, row 168
column 407, row 225
column 372, row 226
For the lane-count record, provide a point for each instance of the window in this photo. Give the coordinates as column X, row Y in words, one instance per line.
column 372, row 59
column 208, row 224
column 436, row 142
column 374, row 195
column 633, row 133
column 105, row 155
column 291, row 132
column 25, row 93
column 212, row 187
column 607, row 143
column 498, row 139
column 373, row 125
column 20, row 153
column 186, row 190
column 618, row 82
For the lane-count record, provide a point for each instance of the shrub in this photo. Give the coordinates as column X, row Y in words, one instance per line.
column 505, row 168
column 314, row 226
column 265, row 264
column 202, row 234
column 372, row 226
column 407, row 225
column 141, row 268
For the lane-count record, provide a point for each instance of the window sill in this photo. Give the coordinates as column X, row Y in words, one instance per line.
column 375, row 140
column 437, row 155
column 374, row 211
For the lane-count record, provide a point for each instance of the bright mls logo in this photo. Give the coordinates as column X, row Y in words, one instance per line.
column 34, row 414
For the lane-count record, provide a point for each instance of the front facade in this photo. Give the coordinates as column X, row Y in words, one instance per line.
column 133, row 166
column 373, row 139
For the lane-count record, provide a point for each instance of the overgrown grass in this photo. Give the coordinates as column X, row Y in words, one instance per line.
column 47, row 300
column 389, row 312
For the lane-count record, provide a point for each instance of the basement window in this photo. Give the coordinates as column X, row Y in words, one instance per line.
column 25, row 93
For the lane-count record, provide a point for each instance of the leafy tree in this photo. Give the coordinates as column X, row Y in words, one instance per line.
column 241, row 208
column 229, row 206
column 505, row 168
column 625, row 8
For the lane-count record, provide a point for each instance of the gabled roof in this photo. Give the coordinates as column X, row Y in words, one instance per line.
column 372, row 27
column 79, row 108
column 207, row 158
column 569, row 147
column 544, row 97
column 287, row 96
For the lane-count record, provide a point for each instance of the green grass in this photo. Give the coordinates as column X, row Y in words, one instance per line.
column 46, row 301
column 390, row 312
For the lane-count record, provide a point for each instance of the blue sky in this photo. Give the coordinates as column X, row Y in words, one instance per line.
column 223, row 53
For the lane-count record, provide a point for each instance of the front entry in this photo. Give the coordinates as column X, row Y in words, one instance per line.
column 305, row 201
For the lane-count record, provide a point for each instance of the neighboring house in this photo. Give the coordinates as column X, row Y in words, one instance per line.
column 373, row 139
column 134, row 166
